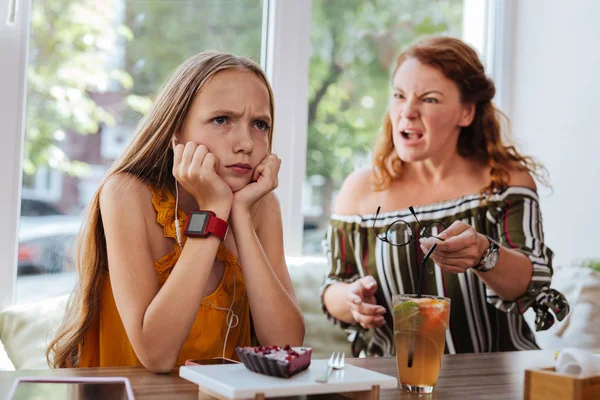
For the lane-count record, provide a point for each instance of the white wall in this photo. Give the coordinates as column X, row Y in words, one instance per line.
column 555, row 112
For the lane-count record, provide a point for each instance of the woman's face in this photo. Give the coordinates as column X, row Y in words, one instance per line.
column 231, row 116
column 426, row 112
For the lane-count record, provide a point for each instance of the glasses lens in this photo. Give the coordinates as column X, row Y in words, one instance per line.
column 398, row 233
column 433, row 229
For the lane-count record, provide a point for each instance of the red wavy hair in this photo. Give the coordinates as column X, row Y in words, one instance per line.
column 482, row 140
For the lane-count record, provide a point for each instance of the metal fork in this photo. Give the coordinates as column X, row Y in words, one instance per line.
column 335, row 362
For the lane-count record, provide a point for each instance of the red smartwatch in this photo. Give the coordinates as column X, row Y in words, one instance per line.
column 204, row 223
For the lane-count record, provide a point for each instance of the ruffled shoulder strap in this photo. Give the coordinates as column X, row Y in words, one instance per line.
column 164, row 204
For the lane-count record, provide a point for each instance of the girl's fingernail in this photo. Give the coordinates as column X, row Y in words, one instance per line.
column 357, row 301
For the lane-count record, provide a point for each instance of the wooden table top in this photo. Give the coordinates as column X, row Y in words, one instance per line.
column 463, row 376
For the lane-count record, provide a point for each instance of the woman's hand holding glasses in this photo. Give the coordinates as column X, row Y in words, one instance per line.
column 462, row 247
column 363, row 305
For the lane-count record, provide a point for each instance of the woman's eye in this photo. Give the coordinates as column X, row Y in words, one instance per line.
column 399, row 96
column 220, row 120
column 261, row 125
column 432, row 100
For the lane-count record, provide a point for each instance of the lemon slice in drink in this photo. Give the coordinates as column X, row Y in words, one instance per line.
column 405, row 310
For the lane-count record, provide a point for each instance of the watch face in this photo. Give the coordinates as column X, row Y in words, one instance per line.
column 491, row 260
column 197, row 223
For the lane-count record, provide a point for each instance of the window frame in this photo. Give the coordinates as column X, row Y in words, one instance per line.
column 14, row 48
column 286, row 62
column 285, row 58
column 502, row 15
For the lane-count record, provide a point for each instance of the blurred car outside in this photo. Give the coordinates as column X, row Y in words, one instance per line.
column 46, row 238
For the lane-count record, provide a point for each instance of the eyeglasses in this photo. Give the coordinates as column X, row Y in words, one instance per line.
column 396, row 232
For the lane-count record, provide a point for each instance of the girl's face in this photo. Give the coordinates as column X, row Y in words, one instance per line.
column 426, row 112
column 231, row 116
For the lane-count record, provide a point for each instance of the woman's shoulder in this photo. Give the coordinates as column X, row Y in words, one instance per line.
column 357, row 201
column 521, row 178
column 355, row 192
column 520, row 187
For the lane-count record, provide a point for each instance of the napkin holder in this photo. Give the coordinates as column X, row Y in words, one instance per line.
column 546, row 384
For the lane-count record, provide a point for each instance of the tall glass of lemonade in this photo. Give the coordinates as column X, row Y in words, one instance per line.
column 420, row 325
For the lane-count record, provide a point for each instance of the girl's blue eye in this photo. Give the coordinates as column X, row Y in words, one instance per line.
column 432, row 100
column 220, row 120
column 261, row 125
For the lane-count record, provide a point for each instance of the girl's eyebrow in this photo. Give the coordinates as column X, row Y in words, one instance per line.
column 264, row 117
column 237, row 114
column 223, row 111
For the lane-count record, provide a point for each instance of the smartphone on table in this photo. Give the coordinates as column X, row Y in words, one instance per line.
column 71, row 388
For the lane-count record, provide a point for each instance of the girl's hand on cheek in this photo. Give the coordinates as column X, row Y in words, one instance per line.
column 195, row 168
column 264, row 181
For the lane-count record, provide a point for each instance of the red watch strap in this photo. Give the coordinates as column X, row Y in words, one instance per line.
column 217, row 226
column 213, row 225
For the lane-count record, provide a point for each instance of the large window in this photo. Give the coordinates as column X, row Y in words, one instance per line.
column 93, row 69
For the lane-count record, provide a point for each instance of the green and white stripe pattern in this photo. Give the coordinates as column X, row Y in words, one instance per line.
column 480, row 321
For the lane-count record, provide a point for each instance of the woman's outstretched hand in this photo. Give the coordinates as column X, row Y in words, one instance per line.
column 363, row 305
column 462, row 247
column 195, row 168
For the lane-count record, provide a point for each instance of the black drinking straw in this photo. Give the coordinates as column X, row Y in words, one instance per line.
column 411, row 349
column 422, row 270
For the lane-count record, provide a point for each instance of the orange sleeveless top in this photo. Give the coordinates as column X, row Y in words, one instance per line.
column 106, row 343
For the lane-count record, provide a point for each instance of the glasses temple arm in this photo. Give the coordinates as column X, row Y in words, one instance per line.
column 412, row 211
column 375, row 220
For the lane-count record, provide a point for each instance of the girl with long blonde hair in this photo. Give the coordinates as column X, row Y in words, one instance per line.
column 159, row 279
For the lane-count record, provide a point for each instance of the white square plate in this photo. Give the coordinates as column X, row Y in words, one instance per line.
column 235, row 381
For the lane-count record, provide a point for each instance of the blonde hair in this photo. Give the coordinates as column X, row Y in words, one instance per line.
column 481, row 140
column 149, row 159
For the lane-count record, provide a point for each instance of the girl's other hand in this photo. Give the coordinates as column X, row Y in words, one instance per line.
column 264, row 181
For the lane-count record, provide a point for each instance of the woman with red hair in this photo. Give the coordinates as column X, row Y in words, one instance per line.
column 441, row 150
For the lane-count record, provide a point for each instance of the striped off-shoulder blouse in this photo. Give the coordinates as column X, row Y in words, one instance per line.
column 480, row 321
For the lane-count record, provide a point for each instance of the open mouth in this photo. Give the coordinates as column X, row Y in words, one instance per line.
column 411, row 135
